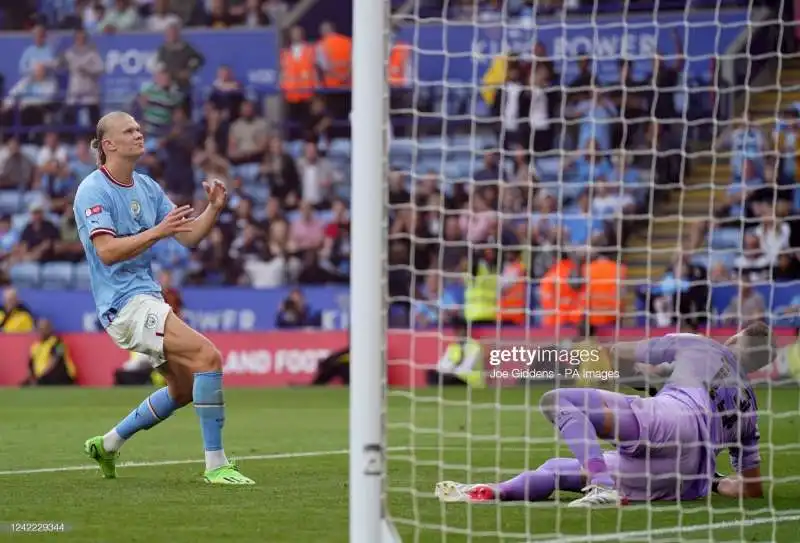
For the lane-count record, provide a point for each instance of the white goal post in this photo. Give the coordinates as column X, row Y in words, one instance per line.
column 737, row 71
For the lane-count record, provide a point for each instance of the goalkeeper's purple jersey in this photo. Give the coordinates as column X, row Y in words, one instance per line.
column 707, row 377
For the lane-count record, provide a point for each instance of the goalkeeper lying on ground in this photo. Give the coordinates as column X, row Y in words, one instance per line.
column 666, row 445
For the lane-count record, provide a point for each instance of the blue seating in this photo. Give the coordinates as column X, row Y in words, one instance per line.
column 340, row 148
column 56, row 276
column 81, row 276
column 294, row 148
column 25, row 275
column 9, row 202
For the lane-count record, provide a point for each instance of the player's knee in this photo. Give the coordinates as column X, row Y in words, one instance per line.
column 548, row 405
column 209, row 358
column 181, row 393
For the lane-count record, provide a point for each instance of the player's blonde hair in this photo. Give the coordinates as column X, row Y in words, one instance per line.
column 100, row 132
column 754, row 346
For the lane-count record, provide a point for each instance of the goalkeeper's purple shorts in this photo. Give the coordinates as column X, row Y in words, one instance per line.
column 670, row 459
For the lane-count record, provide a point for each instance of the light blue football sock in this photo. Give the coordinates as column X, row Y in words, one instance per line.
column 157, row 407
column 210, row 408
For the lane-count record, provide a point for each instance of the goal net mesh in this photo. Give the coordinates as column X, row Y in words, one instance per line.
column 565, row 175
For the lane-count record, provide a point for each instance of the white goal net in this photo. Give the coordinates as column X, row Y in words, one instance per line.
column 593, row 172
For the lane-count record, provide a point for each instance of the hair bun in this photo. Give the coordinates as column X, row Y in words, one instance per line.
column 95, row 144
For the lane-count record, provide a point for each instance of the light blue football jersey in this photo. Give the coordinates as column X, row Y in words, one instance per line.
column 105, row 206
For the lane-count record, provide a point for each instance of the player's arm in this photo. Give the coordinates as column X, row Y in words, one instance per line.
column 112, row 249
column 202, row 225
column 744, row 485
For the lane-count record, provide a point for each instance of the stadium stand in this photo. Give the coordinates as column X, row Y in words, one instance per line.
column 452, row 179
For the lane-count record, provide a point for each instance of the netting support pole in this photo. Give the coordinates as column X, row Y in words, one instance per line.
column 367, row 460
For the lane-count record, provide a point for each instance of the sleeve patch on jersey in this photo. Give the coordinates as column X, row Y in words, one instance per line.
column 94, row 210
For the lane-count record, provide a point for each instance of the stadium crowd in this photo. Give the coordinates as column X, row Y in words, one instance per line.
column 563, row 168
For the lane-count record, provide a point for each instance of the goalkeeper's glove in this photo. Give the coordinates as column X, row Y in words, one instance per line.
column 715, row 482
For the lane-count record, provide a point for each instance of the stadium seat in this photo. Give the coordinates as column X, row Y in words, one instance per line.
column 25, row 275
column 259, row 194
column 18, row 221
column 340, row 148
column 9, row 202
column 30, row 151
column 56, row 276
column 248, row 172
column 81, row 276
column 294, row 148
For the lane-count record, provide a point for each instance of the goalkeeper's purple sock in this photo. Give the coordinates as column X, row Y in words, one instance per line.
column 578, row 414
column 156, row 408
column 539, row 484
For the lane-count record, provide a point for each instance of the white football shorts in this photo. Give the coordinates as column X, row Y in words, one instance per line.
column 139, row 327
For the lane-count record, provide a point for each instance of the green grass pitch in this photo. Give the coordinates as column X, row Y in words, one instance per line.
column 297, row 441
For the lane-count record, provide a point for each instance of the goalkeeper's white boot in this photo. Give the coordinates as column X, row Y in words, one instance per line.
column 451, row 492
column 598, row 496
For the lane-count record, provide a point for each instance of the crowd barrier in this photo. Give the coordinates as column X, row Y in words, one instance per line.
column 281, row 359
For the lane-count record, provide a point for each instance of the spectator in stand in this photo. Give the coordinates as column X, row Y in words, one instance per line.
column 253, row 14
column 158, row 101
column 545, row 104
column 68, row 248
column 753, row 263
column 180, row 59
column 35, row 95
column 88, row 14
column 55, row 178
column 632, row 98
column 433, row 304
column 17, row 170
column 666, row 81
column 210, row 161
column 493, row 169
column 178, row 147
column 248, row 245
column 122, row 17
column 38, row 53
column 317, row 177
column 211, row 263
column 736, row 210
column 319, row 123
column 512, row 106
column 681, row 295
column 454, row 246
column 582, row 226
column 247, row 140
column 219, row 16
column 8, row 238
column 83, row 162
column 85, row 67
column 582, row 85
column 307, row 232
column 278, row 263
column 38, row 238
column 294, row 312
column 15, row 317
column 214, row 127
column 335, row 253
column 162, row 17
column 334, row 53
column 480, row 224
column 746, row 307
column 276, row 10
column 299, row 80
column 189, row 11
column 227, row 94
column 272, row 212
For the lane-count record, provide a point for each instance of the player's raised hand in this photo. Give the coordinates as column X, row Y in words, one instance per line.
column 175, row 222
column 217, row 193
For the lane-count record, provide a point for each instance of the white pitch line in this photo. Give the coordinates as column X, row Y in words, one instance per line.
column 676, row 530
column 274, row 456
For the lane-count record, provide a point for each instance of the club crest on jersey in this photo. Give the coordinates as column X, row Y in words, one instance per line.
column 151, row 321
column 94, row 210
column 136, row 208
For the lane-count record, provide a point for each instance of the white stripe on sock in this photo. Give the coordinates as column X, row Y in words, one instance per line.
column 215, row 459
column 112, row 441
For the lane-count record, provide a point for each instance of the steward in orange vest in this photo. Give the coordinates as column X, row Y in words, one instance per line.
column 514, row 298
column 399, row 65
column 298, row 69
column 334, row 55
column 601, row 297
column 557, row 296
